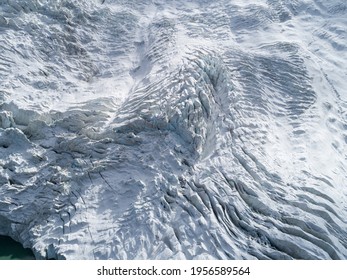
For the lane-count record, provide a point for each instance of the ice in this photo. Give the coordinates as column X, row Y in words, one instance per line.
column 174, row 129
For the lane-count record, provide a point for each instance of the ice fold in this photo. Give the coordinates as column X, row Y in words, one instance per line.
column 174, row 129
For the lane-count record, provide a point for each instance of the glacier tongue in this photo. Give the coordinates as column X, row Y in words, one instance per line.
column 174, row 129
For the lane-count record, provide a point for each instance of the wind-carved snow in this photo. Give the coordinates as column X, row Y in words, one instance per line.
column 174, row 130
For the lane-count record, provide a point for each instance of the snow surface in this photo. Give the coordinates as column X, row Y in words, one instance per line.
column 174, row 129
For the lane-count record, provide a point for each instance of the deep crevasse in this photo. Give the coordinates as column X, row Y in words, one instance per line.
column 193, row 130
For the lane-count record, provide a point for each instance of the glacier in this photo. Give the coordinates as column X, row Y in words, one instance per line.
column 174, row 129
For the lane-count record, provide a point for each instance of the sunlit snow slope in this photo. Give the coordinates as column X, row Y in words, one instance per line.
column 174, row 129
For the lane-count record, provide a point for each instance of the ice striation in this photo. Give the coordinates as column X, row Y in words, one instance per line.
column 174, row 129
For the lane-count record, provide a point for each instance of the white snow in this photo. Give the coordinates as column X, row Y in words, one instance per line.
column 174, row 129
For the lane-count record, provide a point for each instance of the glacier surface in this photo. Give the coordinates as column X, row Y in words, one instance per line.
column 174, row 129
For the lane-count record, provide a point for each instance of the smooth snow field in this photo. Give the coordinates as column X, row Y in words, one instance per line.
column 174, row 129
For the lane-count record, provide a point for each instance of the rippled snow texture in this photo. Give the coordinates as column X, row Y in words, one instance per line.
column 174, row 129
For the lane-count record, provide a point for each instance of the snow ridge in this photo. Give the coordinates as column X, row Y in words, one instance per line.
column 174, row 129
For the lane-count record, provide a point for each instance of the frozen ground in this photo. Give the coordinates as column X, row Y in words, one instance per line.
column 174, row 129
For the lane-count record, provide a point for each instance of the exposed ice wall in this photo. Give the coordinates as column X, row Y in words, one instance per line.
column 169, row 129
